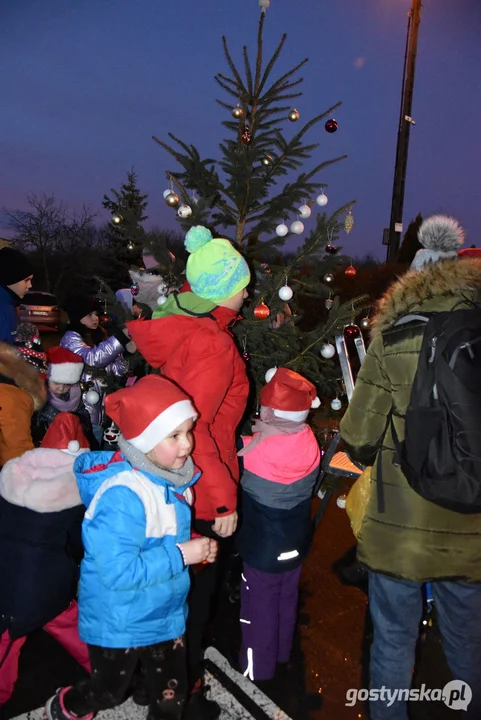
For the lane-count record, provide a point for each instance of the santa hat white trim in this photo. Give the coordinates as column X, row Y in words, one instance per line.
column 68, row 373
column 293, row 415
column 163, row 425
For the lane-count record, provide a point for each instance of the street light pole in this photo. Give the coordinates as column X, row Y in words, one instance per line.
column 405, row 122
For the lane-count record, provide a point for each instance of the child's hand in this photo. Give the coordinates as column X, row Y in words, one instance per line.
column 195, row 551
column 214, row 547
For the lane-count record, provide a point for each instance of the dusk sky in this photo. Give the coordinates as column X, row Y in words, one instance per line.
column 86, row 83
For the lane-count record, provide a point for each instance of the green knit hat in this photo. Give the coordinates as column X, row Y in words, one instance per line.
column 215, row 270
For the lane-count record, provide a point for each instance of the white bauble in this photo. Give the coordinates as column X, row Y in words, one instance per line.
column 166, row 192
column 341, row 501
column 285, row 293
column 185, row 211
column 328, row 351
column 321, row 200
column 161, row 300
column 305, row 212
column 336, row 404
column 91, row 397
column 282, row 230
column 297, row 227
column 270, row 374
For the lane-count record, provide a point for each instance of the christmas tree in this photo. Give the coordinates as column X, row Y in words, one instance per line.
column 125, row 231
column 256, row 186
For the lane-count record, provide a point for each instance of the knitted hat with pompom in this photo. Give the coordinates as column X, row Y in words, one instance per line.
column 441, row 238
column 215, row 270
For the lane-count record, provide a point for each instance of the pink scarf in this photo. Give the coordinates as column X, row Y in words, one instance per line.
column 268, row 426
column 70, row 404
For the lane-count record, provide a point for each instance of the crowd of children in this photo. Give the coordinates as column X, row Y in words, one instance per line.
column 138, row 517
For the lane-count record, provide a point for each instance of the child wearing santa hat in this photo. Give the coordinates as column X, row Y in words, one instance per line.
column 40, row 547
column 281, row 464
column 64, row 394
column 134, row 577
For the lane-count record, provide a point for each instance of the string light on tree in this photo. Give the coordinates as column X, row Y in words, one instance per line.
column 297, row 227
column 322, row 199
column 305, row 212
column 282, row 230
column 293, row 115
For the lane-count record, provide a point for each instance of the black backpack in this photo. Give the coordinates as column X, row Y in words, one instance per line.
column 441, row 452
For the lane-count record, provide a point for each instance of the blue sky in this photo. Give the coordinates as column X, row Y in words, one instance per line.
column 86, row 84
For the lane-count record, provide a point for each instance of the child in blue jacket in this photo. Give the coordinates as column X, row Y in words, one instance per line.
column 136, row 533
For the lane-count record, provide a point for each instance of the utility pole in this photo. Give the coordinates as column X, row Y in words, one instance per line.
column 392, row 236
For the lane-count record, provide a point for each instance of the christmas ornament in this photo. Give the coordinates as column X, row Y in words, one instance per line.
column 342, row 499
column 328, row 303
column 246, row 356
column 297, row 227
column 105, row 319
column 264, row 4
column 352, row 331
column 349, row 222
column 293, row 115
column 331, row 126
column 336, row 404
column 328, row 278
column 331, row 249
column 237, row 112
column 246, row 136
column 172, row 199
column 91, row 397
column 270, row 374
column 130, row 245
column 166, row 192
column 262, row 312
column 161, row 300
column 282, row 230
column 305, row 211
column 266, row 160
column 117, row 218
column 328, row 351
column 184, row 211
column 134, row 289
column 365, row 323
column 286, row 293
column 321, row 199
column 350, row 270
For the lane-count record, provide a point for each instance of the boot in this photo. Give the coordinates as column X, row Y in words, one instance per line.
column 198, row 706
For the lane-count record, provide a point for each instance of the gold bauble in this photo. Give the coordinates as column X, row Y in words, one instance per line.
column 266, row 160
column 349, row 222
column 172, row 199
column 293, row 115
column 237, row 112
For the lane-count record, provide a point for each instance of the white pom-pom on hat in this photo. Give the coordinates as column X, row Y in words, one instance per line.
column 73, row 447
column 316, row 403
column 270, row 374
column 441, row 233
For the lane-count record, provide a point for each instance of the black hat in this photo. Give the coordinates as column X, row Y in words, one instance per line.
column 14, row 266
column 78, row 306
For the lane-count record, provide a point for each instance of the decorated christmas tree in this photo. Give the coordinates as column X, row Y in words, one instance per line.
column 259, row 194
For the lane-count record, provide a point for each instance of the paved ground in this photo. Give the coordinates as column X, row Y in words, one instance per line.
column 330, row 654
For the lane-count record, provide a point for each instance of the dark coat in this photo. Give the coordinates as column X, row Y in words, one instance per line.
column 40, row 539
column 8, row 315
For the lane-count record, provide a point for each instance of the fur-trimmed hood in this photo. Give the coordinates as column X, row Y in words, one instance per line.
column 42, row 480
column 434, row 289
column 24, row 375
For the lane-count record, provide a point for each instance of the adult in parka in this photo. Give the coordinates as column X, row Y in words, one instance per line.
column 411, row 540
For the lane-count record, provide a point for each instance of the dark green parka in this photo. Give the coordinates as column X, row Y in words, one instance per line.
column 412, row 539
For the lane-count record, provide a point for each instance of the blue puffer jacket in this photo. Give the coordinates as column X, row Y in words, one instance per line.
column 133, row 582
column 8, row 316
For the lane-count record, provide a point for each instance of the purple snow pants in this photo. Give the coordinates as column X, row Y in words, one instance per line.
column 268, row 620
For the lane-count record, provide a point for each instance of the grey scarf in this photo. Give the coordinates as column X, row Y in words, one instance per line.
column 137, row 459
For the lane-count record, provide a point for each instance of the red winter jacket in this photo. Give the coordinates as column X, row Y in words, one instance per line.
column 199, row 355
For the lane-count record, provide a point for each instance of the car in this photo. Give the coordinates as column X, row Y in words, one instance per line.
column 40, row 308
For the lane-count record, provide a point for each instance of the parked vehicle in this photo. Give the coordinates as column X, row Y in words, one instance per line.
column 40, row 308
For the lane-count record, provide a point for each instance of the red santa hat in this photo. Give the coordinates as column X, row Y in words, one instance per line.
column 289, row 394
column 65, row 433
column 64, row 366
column 149, row 411
column 471, row 252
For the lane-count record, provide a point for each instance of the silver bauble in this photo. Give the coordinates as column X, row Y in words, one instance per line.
column 172, row 199
column 336, row 404
column 282, row 230
column 305, row 212
column 293, row 115
column 328, row 278
column 328, row 351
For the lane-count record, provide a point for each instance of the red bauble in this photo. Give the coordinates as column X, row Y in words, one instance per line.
column 246, row 356
column 331, row 125
column 262, row 312
column 352, row 331
column 105, row 319
column 350, row 270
